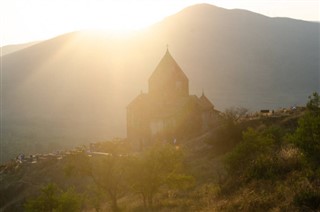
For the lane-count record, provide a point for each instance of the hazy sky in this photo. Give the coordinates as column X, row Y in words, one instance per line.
column 29, row 20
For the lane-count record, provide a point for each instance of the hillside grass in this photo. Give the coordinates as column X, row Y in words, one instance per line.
column 266, row 164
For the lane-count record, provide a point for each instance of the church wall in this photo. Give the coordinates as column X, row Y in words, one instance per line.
column 156, row 126
column 170, row 88
column 206, row 119
column 137, row 125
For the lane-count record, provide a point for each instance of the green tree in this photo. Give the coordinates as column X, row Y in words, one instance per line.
column 307, row 135
column 253, row 147
column 108, row 172
column 53, row 198
column 157, row 167
column 95, row 197
column 313, row 104
column 48, row 200
column 70, row 201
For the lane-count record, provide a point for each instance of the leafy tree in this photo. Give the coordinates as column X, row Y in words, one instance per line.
column 70, row 201
column 95, row 197
column 307, row 135
column 253, row 146
column 46, row 201
column 108, row 172
column 52, row 198
column 314, row 103
column 159, row 166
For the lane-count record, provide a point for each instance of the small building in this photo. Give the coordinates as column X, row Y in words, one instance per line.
column 168, row 112
column 266, row 112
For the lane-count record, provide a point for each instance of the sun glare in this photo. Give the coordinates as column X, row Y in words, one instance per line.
column 38, row 19
column 117, row 15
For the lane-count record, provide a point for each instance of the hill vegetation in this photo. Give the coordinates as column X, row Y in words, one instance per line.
column 245, row 164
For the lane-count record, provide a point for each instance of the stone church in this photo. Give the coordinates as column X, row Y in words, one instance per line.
column 168, row 112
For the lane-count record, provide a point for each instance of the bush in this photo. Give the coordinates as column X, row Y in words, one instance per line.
column 308, row 199
column 54, row 199
column 264, row 167
column 307, row 135
column 264, row 155
column 69, row 201
column 241, row 159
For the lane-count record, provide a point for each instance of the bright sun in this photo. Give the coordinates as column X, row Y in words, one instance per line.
column 116, row 15
column 119, row 15
column 131, row 14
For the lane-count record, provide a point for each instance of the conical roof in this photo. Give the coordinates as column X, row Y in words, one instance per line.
column 168, row 68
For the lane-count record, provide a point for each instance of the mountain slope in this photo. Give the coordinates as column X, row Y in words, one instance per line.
column 13, row 48
column 251, row 59
column 75, row 87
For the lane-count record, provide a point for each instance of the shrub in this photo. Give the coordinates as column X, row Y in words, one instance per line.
column 52, row 198
column 264, row 167
column 241, row 159
column 264, row 155
column 307, row 135
column 308, row 199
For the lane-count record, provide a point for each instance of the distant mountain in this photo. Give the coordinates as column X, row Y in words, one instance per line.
column 76, row 87
column 13, row 48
